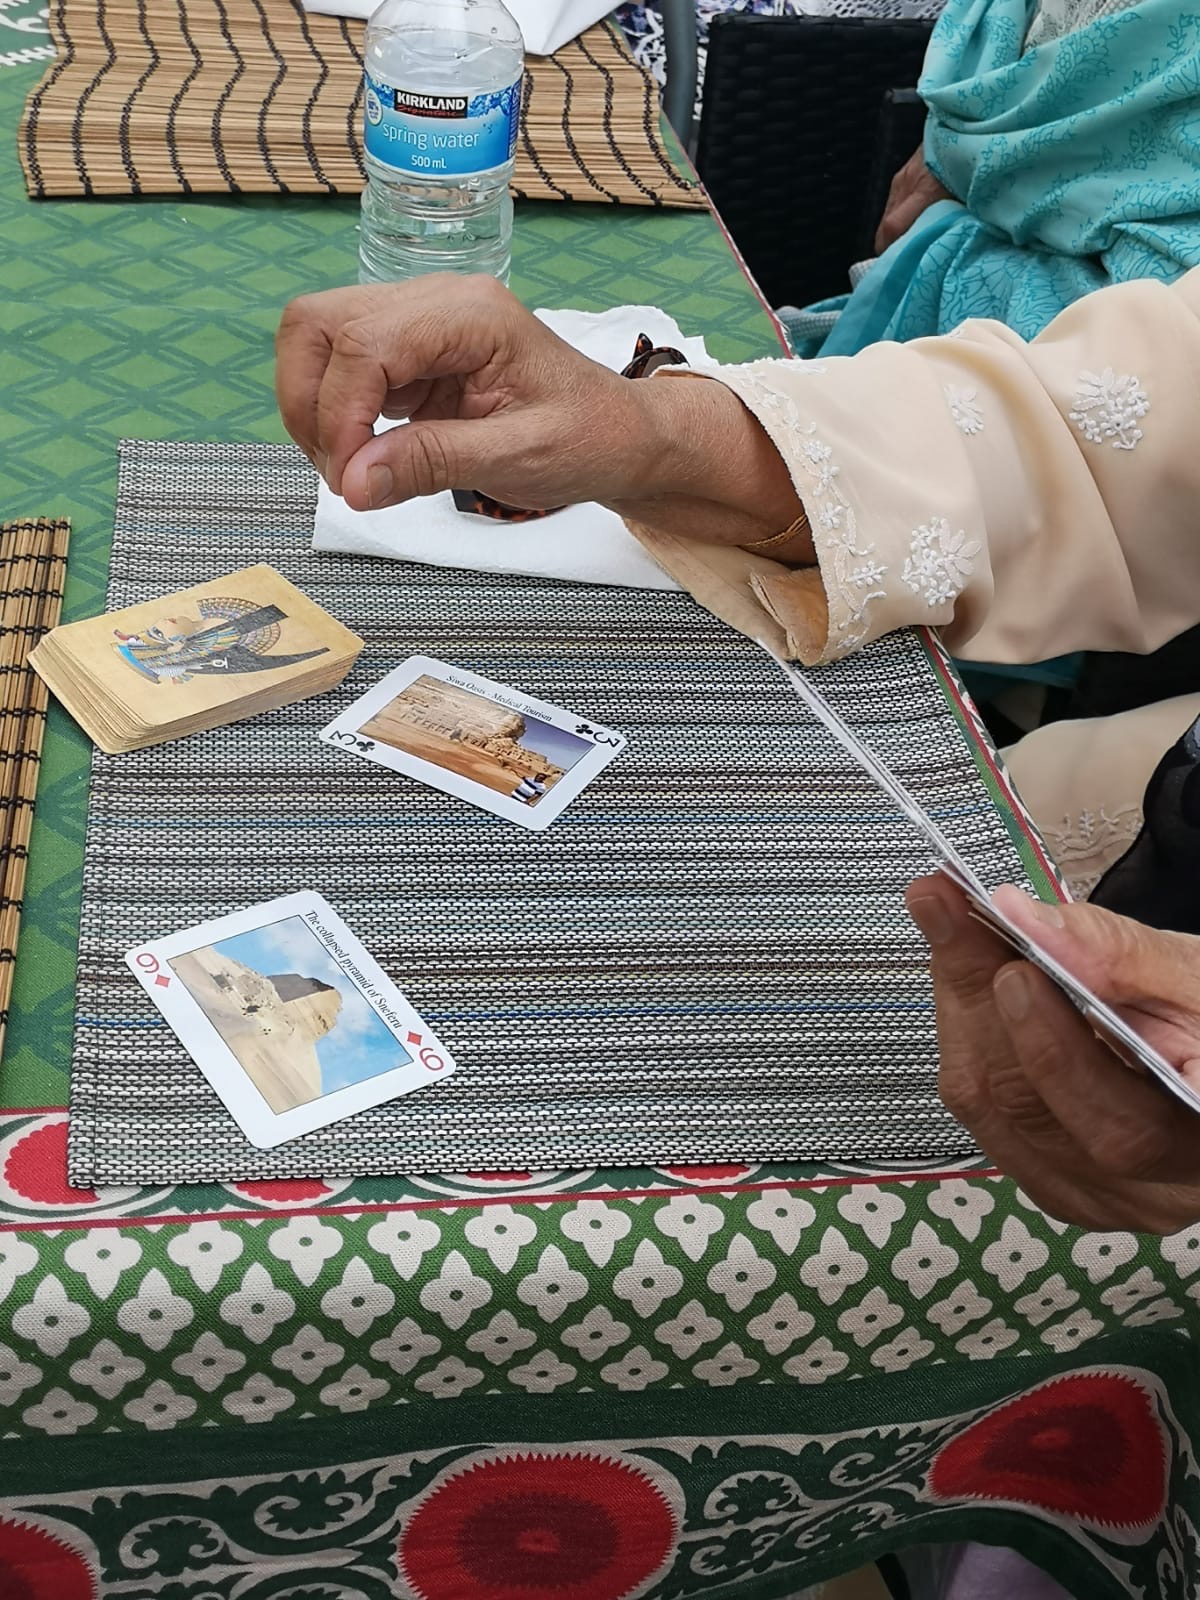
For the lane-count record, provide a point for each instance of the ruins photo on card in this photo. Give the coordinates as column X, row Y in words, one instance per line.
column 489, row 743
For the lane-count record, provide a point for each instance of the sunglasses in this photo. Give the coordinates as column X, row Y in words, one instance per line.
column 647, row 358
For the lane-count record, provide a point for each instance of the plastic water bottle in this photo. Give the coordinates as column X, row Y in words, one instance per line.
column 442, row 100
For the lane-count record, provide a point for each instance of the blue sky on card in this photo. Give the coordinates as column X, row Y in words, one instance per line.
column 559, row 746
column 358, row 1046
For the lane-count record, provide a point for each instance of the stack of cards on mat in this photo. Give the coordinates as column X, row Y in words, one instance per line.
column 200, row 659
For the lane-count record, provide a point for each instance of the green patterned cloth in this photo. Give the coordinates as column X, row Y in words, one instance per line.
column 700, row 1382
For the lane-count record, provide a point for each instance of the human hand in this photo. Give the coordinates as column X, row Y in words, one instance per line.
column 1087, row 1138
column 914, row 189
column 498, row 403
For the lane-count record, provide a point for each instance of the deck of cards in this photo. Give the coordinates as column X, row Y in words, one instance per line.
column 290, row 1019
column 200, row 659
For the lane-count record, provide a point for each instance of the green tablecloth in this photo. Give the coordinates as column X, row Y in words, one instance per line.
column 596, row 1384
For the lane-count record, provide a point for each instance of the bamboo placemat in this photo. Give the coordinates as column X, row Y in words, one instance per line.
column 33, row 566
column 205, row 96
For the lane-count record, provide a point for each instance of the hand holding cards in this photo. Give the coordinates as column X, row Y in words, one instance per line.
column 289, row 1018
column 1105, row 1022
column 211, row 655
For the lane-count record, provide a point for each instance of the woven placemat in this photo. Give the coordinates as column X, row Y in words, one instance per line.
column 33, row 571
column 705, row 959
column 210, row 96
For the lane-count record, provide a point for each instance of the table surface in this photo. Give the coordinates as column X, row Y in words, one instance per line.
column 706, row 1304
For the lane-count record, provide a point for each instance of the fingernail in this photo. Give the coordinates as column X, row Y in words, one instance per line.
column 934, row 922
column 1015, row 903
column 379, row 485
column 1013, row 993
column 1047, row 913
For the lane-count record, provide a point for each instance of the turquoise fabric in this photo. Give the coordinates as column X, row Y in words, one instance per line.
column 1079, row 165
column 1078, row 162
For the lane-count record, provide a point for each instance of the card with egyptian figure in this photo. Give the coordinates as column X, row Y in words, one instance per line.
column 291, row 1020
column 221, row 641
column 499, row 748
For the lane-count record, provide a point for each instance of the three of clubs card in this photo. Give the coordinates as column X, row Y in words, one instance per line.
column 290, row 1019
column 495, row 747
column 1104, row 1021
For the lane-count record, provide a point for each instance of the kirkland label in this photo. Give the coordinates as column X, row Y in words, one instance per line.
column 440, row 134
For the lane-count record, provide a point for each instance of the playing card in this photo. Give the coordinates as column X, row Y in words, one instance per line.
column 500, row 749
column 1101, row 1017
column 289, row 1018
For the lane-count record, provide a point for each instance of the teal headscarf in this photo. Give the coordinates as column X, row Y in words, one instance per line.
column 1078, row 162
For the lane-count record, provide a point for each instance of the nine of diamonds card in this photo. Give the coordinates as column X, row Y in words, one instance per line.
column 289, row 1018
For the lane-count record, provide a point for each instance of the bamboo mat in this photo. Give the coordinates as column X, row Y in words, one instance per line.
column 33, row 565
column 209, row 96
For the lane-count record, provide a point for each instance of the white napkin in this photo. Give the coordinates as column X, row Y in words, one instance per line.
column 545, row 24
column 586, row 543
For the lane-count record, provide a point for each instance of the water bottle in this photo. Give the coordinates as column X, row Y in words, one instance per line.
column 442, row 100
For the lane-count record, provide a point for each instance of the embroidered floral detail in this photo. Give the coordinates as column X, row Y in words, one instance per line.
column 1087, row 845
column 853, row 577
column 939, row 562
column 964, row 408
column 1108, row 405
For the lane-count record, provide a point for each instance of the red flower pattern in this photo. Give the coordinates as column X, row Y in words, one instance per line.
column 709, row 1174
column 1088, row 1446
column 38, row 1565
column 519, row 1527
column 36, row 1168
column 283, row 1191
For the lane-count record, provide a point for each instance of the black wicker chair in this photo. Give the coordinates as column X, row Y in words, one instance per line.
column 799, row 136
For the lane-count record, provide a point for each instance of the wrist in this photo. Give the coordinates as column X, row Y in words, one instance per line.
column 698, row 450
column 657, row 446
column 695, row 435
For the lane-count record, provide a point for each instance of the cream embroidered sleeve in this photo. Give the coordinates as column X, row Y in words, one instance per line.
column 1029, row 500
column 892, row 507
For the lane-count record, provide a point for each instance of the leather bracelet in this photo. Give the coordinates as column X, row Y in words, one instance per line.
column 762, row 547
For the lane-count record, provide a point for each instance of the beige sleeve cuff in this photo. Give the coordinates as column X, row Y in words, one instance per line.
column 891, row 504
column 1026, row 500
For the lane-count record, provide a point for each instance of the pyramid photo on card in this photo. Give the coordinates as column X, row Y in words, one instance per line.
column 210, row 655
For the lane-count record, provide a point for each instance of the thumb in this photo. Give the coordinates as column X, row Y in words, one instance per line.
column 1123, row 961
column 417, row 458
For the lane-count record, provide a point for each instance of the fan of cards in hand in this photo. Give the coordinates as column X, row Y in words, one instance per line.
column 1108, row 1024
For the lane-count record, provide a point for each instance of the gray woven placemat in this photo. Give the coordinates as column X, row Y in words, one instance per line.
column 705, row 959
